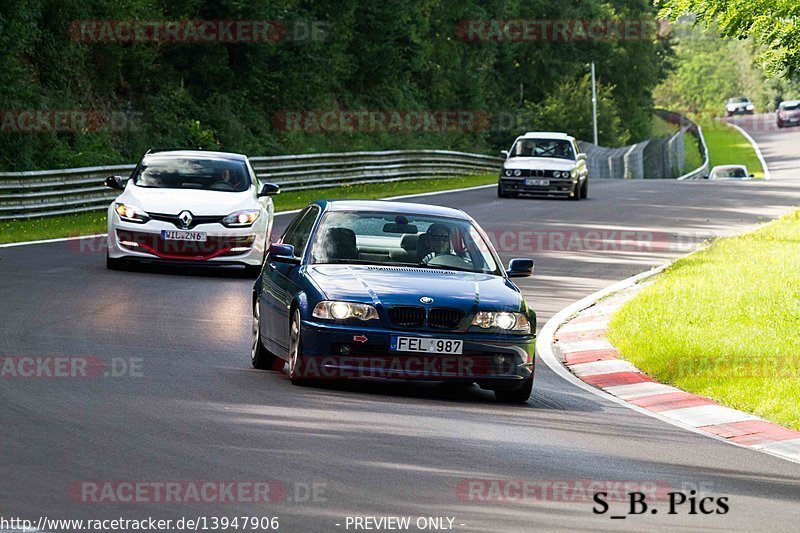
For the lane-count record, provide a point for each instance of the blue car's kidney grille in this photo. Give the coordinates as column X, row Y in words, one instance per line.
column 407, row 316
column 442, row 318
column 413, row 317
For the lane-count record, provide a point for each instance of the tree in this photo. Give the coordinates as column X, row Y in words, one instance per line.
column 775, row 25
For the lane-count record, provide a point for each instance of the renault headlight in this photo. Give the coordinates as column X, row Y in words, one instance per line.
column 335, row 310
column 241, row 219
column 502, row 320
column 131, row 213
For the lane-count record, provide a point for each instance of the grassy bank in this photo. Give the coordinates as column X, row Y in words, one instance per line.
column 723, row 323
column 95, row 222
column 726, row 146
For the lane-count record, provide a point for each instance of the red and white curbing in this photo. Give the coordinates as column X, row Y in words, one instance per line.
column 584, row 350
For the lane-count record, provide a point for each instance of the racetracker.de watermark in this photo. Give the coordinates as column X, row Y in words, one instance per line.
column 196, row 491
column 67, row 120
column 383, row 120
column 499, row 491
column 197, row 31
column 592, row 240
column 562, row 30
column 70, row 367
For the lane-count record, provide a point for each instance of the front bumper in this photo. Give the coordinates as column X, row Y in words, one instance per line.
column 556, row 187
column 342, row 351
column 243, row 246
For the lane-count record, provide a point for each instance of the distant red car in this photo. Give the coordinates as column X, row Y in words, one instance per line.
column 788, row 113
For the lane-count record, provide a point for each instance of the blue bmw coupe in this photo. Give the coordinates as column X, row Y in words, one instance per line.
column 393, row 290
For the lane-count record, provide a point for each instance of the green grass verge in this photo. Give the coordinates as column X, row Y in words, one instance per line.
column 724, row 322
column 95, row 222
column 726, row 146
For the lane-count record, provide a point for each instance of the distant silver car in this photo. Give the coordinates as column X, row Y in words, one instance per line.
column 740, row 105
column 788, row 113
column 730, row 172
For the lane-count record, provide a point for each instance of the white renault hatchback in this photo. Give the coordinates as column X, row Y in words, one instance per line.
column 193, row 207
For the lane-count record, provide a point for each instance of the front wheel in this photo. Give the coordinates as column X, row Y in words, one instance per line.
column 252, row 271
column 585, row 189
column 501, row 194
column 298, row 364
column 576, row 192
column 260, row 357
column 518, row 395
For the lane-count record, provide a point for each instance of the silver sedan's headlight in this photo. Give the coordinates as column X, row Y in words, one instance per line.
column 131, row 213
column 241, row 219
column 556, row 174
column 502, row 320
column 751, row 107
column 507, row 172
column 518, row 172
column 336, row 310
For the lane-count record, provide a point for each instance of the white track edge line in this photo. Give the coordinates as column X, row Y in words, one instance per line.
column 752, row 141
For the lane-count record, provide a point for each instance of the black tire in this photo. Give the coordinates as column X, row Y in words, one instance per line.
column 518, row 395
column 298, row 364
column 501, row 194
column 116, row 264
column 251, row 271
column 780, row 124
column 260, row 357
column 585, row 189
column 576, row 193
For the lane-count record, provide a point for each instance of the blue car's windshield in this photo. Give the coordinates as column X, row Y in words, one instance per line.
column 345, row 237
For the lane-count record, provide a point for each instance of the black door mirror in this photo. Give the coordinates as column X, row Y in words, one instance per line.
column 269, row 189
column 520, row 268
column 115, row 182
column 283, row 253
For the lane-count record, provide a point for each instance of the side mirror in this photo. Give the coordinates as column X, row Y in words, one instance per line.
column 269, row 189
column 115, row 182
column 581, row 157
column 283, row 253
column 520, row 268
column 751, row 175
column 504, row 153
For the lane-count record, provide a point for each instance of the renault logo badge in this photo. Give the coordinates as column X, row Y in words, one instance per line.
column 426, row 299
column 186, row 218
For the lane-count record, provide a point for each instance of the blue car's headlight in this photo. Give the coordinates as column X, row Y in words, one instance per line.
column 502, row 320
column 343, row 310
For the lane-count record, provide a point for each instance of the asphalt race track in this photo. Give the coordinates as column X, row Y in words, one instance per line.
column 194, row 409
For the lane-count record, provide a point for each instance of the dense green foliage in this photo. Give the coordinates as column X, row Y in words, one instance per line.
column 775, row 25
column 708, row 70
column 403, row 55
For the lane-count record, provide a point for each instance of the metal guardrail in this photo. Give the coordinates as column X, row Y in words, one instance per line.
column 692, row 128
column 58, row 192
